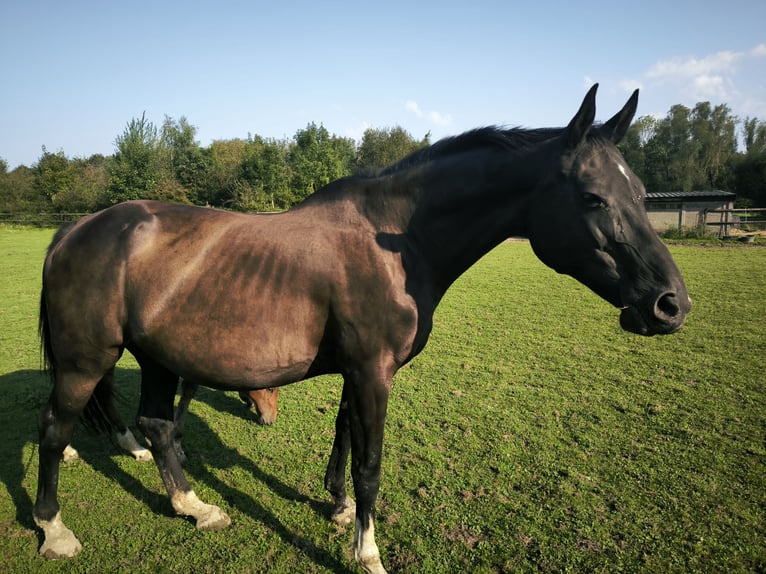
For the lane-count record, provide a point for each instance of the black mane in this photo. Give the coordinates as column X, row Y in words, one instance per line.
column 487, row 137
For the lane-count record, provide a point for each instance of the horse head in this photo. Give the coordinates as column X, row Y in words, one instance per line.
column 588, row 220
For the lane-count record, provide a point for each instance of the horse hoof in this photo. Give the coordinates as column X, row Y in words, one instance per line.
column 373, row 567
column 63, row 544
column 215, row 519
column 344, row 513
column 143, row 455
column 70, row 454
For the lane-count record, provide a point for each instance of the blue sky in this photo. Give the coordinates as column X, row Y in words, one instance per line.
column 73, row 74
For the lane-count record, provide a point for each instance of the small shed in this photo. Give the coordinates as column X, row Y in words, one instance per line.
column 688, row 209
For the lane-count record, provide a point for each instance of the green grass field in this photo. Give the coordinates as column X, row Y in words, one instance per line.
column 532, row 435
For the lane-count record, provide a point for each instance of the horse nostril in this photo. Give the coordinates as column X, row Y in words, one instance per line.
column 667, row 306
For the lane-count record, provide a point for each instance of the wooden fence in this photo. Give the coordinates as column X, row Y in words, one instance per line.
column 742, row 220
column 39, row 219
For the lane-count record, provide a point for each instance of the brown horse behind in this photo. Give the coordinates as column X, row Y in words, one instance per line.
column 263, row 401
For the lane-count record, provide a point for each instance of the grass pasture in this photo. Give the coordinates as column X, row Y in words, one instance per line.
column 532, row 435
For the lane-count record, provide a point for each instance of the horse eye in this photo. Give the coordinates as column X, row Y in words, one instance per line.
column 592, row 200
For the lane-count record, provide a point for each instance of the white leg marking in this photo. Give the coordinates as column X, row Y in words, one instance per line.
column 70, row 454
column 59, row 541
column 208, row 517
column 365, row 550
column 128, row 442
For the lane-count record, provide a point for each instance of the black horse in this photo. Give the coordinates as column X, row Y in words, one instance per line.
column 347, row 282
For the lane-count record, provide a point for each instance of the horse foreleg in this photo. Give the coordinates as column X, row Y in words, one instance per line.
column 368, row 401
column 335, row 476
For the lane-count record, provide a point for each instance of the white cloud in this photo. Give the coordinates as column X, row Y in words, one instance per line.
column 711, row 77
column 690, row 67
column 436, row 118
column 412, row 106
column 705, row 85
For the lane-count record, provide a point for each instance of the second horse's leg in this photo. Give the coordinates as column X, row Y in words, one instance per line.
column 125, row 438
column 188, row 390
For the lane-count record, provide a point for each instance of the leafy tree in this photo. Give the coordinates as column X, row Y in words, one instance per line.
column 714, row 133
column 18, row 192
column 54, row 176
column 185, row 163
column 87, row 192
column 224, row 172
column 72, row 186
column 687, row 149
column 267, row 172
column 137, row 168
column 382, row 147
column 749, row 169
column 317, row 158
column 754, row 135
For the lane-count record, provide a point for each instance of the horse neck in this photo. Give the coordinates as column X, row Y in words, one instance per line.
column 468, row 207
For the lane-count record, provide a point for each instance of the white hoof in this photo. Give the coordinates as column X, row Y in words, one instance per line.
column 365, row 550
column 128, row 442
column 142, row 455
column 374, row 567
column 213, row 519
column 344, row 512
column 60, row 542
column 208, row 516
column 70, row 454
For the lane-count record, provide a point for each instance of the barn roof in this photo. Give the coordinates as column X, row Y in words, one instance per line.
column 689, row 195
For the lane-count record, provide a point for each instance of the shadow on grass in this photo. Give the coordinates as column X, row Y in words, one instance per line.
column 22, row 396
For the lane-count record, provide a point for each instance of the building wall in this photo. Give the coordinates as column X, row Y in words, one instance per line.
column 687, row 214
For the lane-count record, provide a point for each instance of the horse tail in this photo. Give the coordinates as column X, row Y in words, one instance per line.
column 99, row 415
column 48, row 362
column 96, row 415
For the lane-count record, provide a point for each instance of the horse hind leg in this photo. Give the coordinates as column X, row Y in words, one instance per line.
column 155, row 420
column 56, row 424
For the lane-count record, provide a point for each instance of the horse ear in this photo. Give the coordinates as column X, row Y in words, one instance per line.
column 616, row 128
column 580, row 125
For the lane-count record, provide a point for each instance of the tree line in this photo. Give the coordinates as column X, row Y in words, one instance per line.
column 696, row 149
column 701, row 148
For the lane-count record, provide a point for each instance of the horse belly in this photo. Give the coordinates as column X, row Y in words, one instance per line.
column 257, row 361
column 270, row 344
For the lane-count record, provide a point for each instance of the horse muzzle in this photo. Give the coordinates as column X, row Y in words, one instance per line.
column 662, row 314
